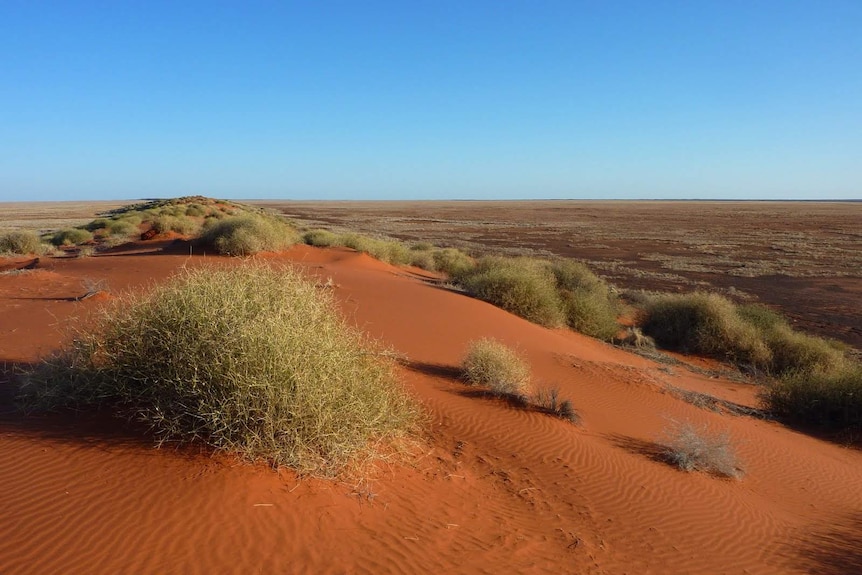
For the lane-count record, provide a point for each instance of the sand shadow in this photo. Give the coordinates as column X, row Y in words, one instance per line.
column 649, row 449
column 830, row 549
column 97, row 427
column 434, row 369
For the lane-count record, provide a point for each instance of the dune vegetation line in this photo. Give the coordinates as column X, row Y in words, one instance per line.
column 803, row 379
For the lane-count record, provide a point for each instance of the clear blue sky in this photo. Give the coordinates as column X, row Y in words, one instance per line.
column 431, row 99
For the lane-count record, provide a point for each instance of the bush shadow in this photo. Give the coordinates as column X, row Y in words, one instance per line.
column 831, row 549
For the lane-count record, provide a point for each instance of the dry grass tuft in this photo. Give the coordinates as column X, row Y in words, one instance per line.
column 697, row 448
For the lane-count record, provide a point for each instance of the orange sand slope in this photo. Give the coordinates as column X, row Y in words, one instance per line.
column 497, row 490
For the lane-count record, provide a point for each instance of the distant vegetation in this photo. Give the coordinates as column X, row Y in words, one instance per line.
column 250, row 359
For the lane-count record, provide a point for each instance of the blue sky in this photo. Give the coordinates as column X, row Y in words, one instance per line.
column 431, row 99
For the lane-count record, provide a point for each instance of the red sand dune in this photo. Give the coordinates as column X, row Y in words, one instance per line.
column 497, row 490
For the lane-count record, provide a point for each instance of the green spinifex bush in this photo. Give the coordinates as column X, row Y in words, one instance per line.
column 828, row 399
column 251, row 359
column 523, row 286
column 71, row 236
column 705, row 323
column 249, row 234
column 21, row 242
column 589, row 304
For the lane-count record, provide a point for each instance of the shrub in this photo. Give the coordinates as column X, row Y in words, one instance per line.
column 246, row 235
column 133, row 218
column 794, row 352
column 423, row 260
column 196, row 211
column 422, row 247
column 97, row 224
column 694, row 448
column 122, row 227
column 180, row 224
column 21, row 242
column 523, row 286
column 704, row 323
column 389, row 251
column 492, row 364
column 590, row 306
column 453, row 262
column 548, row 400
column 71, row 236
column 250, row 359
column 826, row 399
column 321, row 238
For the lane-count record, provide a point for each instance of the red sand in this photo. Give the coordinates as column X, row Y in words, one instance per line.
column 497, row 490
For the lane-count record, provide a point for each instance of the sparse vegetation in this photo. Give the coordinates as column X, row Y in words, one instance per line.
column 549, row 401
column 21, row 242
column 698, row 448
column 250, row 359
column 491, row 364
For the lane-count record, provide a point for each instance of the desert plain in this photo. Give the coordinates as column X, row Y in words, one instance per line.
column 494, row 488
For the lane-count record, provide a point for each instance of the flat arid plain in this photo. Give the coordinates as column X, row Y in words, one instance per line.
column 804, row 258
column 491, row 486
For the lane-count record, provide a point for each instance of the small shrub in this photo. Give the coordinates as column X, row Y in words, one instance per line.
column 250, row 359
column 389, row 251
column 590, row 306
column 71, row 236
column 97, row 224
column 122, row 228
column 832, row 400
column 133, row 218
column 491, row 364
column 21, row 242
column 423, row 260
column 246, row 235
column 422, row 247
column 321, row 238
column 523, row 286
column 453, row 262
column 548, row 400
column 693, row 448
column 180, row 224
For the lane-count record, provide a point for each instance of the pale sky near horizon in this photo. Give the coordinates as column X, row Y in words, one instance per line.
column 431, row 99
